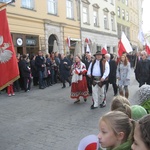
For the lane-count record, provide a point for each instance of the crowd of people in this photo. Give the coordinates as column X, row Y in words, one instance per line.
column 125, row 127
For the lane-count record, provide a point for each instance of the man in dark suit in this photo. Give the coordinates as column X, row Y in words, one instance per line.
column 112, row 74
column 64, row 68
column 40, row 64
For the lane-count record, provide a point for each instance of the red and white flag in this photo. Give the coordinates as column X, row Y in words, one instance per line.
column 124, row 45
column 104, row 50
column 87, row 49
column 9, row 71
column 147, row 47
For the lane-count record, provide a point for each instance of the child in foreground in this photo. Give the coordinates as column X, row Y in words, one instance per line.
column 142, row 134
column 115, row 131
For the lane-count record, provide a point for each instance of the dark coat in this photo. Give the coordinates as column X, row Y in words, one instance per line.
column 142, row 71
column 112, row 74
column 65, row 68
column 33, row 68
column 25, row 71
column 39, row 61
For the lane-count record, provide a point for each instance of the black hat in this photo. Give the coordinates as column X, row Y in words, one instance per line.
column 98, row 53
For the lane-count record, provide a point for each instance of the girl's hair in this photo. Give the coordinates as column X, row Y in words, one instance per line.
column 144, row 124
column 121, row 103
column 118, row 122
column 126, row 60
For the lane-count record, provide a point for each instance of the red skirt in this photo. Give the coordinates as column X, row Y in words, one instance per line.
column 79, row 89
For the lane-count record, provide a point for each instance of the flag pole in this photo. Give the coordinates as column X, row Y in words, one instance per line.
column 5, row 4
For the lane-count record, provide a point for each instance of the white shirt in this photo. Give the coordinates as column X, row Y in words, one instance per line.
column 96, row 69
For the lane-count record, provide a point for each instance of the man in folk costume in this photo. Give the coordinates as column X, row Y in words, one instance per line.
column 98, row 71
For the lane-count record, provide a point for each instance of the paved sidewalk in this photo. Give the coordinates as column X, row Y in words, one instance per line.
column 48, row 120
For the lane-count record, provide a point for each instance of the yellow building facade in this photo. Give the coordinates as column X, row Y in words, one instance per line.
column 36, row 25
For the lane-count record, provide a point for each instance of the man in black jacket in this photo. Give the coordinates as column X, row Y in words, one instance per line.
column 40, row 64
column 26, row 73
column 112, row 74
column 142, row 70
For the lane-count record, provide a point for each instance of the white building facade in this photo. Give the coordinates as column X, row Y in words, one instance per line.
column 98, row 25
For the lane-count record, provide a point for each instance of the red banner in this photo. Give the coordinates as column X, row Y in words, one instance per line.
column 9, row 71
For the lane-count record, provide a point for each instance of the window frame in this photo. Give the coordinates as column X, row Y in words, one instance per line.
column 86, row 14
column 28, row 4
column 55, row 7
column 70, row 9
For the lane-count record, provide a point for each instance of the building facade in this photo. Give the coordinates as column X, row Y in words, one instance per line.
column 123, row 23
column 35, row 25
column 71, row 25
column 98, row 25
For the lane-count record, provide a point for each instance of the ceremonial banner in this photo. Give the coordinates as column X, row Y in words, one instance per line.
column 9, row 71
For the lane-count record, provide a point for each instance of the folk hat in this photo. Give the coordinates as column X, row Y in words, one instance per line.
column 98, row 53
column 137, row 112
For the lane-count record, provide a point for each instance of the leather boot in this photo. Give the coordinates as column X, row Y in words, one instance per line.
column 127, row 94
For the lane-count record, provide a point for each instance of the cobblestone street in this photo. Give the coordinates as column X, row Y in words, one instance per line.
column 48, row 120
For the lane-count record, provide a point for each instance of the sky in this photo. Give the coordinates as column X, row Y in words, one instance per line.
column 146, row 16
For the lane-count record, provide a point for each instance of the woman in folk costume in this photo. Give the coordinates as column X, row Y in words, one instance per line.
column 123, row 76
column 79, row 83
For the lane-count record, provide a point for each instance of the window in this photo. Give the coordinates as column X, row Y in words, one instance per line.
column 112, row 1
column 106, row 20
column 123, row 14
column 113, row 22
column 95, row 17
column 85, row 15
column 127, row 16
column 28, row 4
column 118, row 11
column 3, row 1
column 52, row 6
column 70, row 9
column 123, row 1
column 127, row 2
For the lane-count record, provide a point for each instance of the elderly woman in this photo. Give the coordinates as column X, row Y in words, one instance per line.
column 79, row 83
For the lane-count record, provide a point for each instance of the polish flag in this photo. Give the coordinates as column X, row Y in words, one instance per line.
column 9, row 71
column 89, row 142
column 104, row 50
column 68, row 41
column 147, row 47
column 87, row 49
column 124, row 45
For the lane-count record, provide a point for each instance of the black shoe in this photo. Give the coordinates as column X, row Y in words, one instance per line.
column 103, row 104
column 85, row 99
column 41, row 87
column 77, row 101
column 63, row 87
column 92, row 107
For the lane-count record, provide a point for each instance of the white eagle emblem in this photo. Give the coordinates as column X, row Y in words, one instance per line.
column 5, row 54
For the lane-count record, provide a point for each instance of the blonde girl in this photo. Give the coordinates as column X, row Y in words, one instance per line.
column 115, row 130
